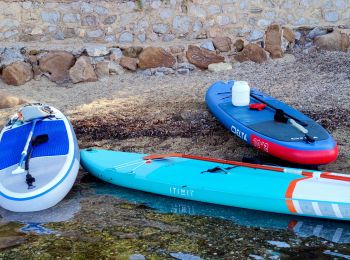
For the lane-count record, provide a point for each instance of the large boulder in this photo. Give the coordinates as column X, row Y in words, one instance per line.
column 202, row 57
column 7, row 101
column 252, row 52
column 222, row 44
column 102, row 70
column 82, row 71
column 335, row 41
column 153, row 57
column 56, row 65
column 17, row 73
column 273, row 41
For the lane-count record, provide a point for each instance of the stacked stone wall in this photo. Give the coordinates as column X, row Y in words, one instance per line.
column 149, row 21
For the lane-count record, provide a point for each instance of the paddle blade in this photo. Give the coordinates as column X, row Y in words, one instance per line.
column 40, row 139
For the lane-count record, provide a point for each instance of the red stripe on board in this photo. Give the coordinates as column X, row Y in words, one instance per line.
column 312, row 157
column 209, row 159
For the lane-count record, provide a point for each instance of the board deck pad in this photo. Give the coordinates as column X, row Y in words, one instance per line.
column 13, row 142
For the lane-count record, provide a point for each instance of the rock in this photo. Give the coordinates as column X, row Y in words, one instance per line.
column 10, row 55
column 288, row 34
column 126, row 37
column 160, row 28
column 182, row 24
column 183, row 71
column 102, row 70
column 7, row 101
column 82, row 71
column 331, row 16
column 96, row 50
column 252, row 52
column 17, row 73
column 202, row 57
column 132, row 52
column 115, row 68
column 186, row 66
column 165, row 70
column 50, row 17
column 239, row 45
column 56, row 65
column 129, row 63
column 317, row 31
column 273, row 41
column 89, row 20
column 116, row 54
column 208, row 45
column 137, row 257
column 110, row 19
column 153, row 57
column 222, row 44
column 216, row 67
column 335, row 41
column 255, row 36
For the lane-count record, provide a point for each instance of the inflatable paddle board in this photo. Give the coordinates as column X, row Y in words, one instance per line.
column 258, row 187
column 39, row 159
column 298, row 139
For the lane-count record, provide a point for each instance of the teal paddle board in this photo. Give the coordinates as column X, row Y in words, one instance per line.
column 223, row 182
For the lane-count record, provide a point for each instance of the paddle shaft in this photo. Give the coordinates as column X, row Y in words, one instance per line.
column 25, row 150
column 275, row 108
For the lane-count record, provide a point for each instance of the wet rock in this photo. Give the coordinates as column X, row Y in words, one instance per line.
column 132, row 52
column 335, row 41
column 102, row 70
column 252, row 52
column 10, row 55
column 208, row 45
column 317, row 31
column 202, row 57
column 222, row 44
column 137, row 257
column 82, row 71
column 7, row 101
column 115, row 68
column 96, row 50
column 56, row 65
column 153, row 57
column 273, row 41
column 239, row 45
column 129, row 63
column 216, row 67
column 17, row 73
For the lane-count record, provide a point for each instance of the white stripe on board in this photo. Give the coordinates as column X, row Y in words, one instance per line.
column 337, row 211
column 297, row 206
column 298, row 226
column 337, row 235
column 316, row 209
column 317, row 230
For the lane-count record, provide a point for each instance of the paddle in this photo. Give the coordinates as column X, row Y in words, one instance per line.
column 24, row 153
column 35, row 141
column 279, row 112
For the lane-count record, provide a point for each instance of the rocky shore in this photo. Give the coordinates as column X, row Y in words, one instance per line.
column 167, row 113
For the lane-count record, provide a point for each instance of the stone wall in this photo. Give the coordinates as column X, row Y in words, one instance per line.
column 147, row 21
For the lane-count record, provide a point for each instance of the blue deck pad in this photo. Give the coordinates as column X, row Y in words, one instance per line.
column 13, row 141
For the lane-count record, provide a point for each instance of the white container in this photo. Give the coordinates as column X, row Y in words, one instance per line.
column 240, row 94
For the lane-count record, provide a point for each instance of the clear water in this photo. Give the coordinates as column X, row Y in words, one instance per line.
column 331, row 230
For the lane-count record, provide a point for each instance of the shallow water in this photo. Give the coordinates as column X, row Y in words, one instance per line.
column 331, row 230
